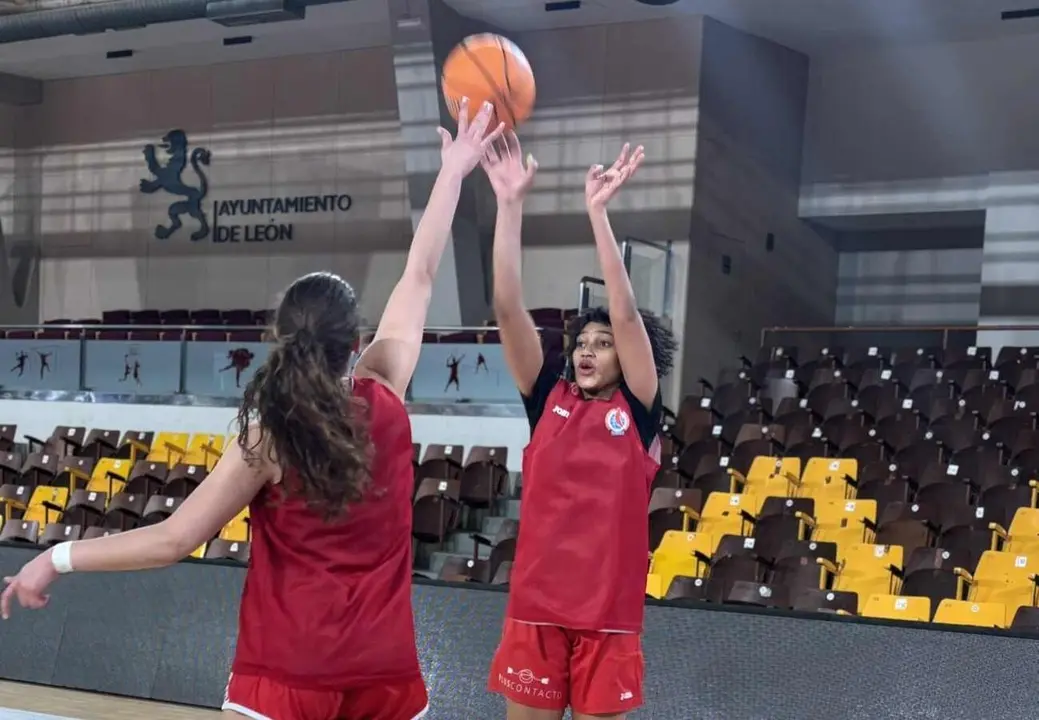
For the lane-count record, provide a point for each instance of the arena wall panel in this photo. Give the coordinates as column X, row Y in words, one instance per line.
column 922, row 110
column 169, row 635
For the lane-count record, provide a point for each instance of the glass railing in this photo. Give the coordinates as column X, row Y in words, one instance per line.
column 903, row 337
column 456, row 365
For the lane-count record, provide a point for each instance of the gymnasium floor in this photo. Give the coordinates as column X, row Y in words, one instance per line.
column 32, row 702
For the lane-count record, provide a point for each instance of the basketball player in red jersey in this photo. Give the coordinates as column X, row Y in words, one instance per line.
column 324, row 464
column 573, row 624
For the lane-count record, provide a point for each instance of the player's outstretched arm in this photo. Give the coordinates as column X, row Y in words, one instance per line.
column 511, row 176
column 629, row 333
column 393, row 354
column 222, row 495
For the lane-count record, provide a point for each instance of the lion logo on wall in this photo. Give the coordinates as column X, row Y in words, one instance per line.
column 169, row 177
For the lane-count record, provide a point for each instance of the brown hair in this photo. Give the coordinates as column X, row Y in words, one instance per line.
column 309, row 423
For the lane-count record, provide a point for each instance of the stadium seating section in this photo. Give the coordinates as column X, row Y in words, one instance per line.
column 895, row 485
column 242, row 326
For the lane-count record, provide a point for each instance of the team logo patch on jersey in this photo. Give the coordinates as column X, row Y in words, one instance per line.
column 617, row 421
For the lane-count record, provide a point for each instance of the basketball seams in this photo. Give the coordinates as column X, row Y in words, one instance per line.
column 495, row 90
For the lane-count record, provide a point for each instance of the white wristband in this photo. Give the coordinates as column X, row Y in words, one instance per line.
column 61, row 558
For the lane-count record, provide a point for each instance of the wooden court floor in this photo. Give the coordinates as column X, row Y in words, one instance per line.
column 71, row 705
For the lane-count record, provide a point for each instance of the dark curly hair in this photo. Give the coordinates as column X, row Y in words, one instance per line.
column 309, row 422
column 661, row 339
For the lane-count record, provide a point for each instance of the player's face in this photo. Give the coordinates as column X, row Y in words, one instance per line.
column 596, row 367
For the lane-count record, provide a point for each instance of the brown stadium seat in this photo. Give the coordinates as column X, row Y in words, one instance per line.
column 135, row 445
column 667, row 511
column 100, row 443
column 744, row 592
column 158, row 508
column 74, row 472
column 39, row 469
column 219, row 549
column 436, row 509
column 20, row 531
column 484, row 476
column 502, row 549
column 7, row 435
column 125, row 510
column 441, row 461
column 503, row 574
column 95, row 532
column 63, row 440
column 146, row 477
column 458, row 569
column 183, row 479
column 686, row 588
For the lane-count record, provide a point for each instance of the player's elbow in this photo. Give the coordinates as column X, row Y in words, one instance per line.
column 178, row 542
column 420, row 274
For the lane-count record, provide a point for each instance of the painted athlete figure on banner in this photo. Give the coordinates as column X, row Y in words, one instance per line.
column 574, row 619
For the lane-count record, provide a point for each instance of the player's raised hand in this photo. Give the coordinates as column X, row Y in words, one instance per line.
column 510, row 174
column 463, row 152
column 600, row 185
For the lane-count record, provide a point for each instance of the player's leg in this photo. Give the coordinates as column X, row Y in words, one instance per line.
column 606, row 675
column 531, row 670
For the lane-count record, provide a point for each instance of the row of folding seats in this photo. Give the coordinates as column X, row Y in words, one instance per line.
column 67, row 440
column 816, row 529
column 235, row 318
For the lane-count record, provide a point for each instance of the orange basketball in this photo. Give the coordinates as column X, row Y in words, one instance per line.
column 489, row 68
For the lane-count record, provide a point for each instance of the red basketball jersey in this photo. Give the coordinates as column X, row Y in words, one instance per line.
column 327, row 605
column 581, row 555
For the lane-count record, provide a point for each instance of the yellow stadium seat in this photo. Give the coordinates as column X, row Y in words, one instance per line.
column 199, row 553
column 169, row 448
column 898, row 607
column 723, row 514
column 775, row 476
column 966, row 612
column 109, row 476
column 1023, row 536
column 866, row 569
column 843, row 521
column 679, row 553
column 1002, row 577
column 237, row 530
column 827, row 478
column 46, row 505
column 204, row 450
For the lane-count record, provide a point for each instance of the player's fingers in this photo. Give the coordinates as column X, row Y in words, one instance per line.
column 593, row 173
column 5, row 600
column 445, row 137
column 512, row 143
column 463, row 115
column 494, row 135
column 491, row 154
column 478, row 128
column 532, row 167
column 622, row 158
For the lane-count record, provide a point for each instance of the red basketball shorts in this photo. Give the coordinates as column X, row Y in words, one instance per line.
column 549, row 667
column 260, row 698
